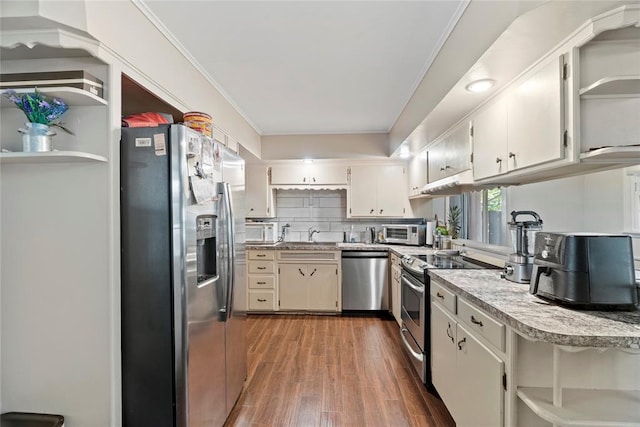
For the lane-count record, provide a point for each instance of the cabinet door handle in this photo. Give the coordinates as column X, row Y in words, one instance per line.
column 251, row 209
column 475, row 321
column 441, row 169
column 262, row 300
column 449, row 334
column 461, row 342
column 371, row 211
column 512, row 155
column 313, row 272
column 381, row 210
column 314, row 179
column 304, row 179
column 447, row 167
column 262, row 268
column 301, row 272
column 439, row 295
column 498, row 160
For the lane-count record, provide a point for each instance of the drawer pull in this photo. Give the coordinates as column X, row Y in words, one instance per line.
column 262, row 268
column 262, row 300
column 461, row 342
column 261, row 255
column 439, row 295
column 476, row 322
column 449, row 334
column 261, row 283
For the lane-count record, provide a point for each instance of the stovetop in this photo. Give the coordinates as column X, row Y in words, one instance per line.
column 419, row 263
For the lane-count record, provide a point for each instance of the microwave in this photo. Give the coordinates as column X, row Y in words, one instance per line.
column 404, row 234
column 261, row 232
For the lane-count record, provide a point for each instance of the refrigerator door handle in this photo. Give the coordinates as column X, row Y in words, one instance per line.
column 208, row 282
column 223, row 190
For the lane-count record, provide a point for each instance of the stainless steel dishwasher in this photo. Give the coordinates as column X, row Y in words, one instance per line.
column 365, row 281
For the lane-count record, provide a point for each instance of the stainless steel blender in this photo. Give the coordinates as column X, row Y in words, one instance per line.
column 523, row 237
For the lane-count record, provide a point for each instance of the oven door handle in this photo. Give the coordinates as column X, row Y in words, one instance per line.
column 419, row 289
column 419, row 357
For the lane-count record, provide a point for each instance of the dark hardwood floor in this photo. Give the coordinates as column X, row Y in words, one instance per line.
column 307, row 370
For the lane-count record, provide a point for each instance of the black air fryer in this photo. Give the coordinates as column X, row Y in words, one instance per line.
column 585, row 270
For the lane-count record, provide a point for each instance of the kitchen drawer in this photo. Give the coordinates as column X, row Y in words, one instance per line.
column 489, row 328
column 262, row 300
column 444, row 297
column 261, row 267
column 261, row 255
column 262, row 282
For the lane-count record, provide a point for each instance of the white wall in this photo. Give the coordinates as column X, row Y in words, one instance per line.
column 324, row 210
column 334, row 146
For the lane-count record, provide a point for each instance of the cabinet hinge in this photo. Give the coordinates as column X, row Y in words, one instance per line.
column 336, row 304
column 278, row 303
column 471, row 131
column 349, row 174
column 471, row 158
column 404, row 210
column 278, row 270
column 268, row 210
column 504, row 381
column 349, row 210
column 565, row 71
column 268, row 172
column 336, row 271
column 565, row 138
column 403, row 172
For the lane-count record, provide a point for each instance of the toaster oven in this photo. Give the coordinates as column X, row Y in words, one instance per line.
column 404, row 234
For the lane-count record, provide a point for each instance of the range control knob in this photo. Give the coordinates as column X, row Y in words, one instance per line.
column 544, row 254
column 508, row 271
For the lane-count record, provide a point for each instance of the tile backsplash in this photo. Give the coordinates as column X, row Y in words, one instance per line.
column 325, row 211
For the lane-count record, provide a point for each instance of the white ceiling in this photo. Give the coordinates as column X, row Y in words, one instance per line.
column 300, row 67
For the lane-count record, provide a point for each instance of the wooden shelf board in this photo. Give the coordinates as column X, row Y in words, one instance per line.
column 614, row 86
column 585, row 407
column 50, row 157
column 70, row 95
column 619, row 154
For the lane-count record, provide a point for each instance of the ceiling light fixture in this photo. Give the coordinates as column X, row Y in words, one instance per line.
column 480, row 85
column 308, row 161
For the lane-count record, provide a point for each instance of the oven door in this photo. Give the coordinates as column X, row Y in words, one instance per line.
column 413, row 307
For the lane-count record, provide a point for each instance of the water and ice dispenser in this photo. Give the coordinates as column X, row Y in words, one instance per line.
column 206, row 247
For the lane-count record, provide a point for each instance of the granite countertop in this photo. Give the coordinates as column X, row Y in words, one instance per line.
column 340, row 246
column 540, row 320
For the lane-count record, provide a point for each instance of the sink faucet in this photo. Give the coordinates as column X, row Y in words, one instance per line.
column 312, row 231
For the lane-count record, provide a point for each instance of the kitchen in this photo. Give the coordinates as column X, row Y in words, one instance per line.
column 84, row 246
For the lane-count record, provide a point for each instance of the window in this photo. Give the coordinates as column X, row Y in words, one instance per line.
column 485, row 216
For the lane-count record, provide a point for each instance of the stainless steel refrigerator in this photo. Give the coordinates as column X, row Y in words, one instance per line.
column 184, row 356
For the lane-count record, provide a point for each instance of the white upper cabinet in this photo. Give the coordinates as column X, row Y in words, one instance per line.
column 535, row 117
column 490, row 140
column 377, row 191
column 451, row 154
column 458, row 150
column 417, row 173
column 259, row 196
column 523, row 127
column 309, row 174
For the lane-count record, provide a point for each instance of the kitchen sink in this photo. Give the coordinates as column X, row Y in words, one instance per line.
column 308, row 244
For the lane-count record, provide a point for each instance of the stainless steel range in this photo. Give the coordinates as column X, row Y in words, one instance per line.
column 416, row 307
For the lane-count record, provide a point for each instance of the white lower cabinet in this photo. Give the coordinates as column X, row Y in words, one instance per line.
column 467, row 374
column 311, row 287
column 396, row 272
column 261, row 280
column 309, row 280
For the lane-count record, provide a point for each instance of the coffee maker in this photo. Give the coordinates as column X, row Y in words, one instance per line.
column 520, row 263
